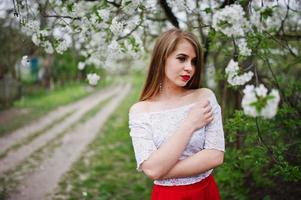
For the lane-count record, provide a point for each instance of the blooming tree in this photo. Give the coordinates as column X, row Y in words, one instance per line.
column 105, row 31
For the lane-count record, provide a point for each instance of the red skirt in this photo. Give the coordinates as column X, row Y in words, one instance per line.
column 206, row 189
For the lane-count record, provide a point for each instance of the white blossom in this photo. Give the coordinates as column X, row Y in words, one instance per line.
column 39, row 36
column 114, row 49
column 255, row 20
column 130, row 48
column 116, row 27
column 57, row 2
column 78, row 10
column 104, row 14
column 188, row 6
column 230, row 21
column 130, row 6
column 270, row 110
column 132, row 23
column 62, row 46
column 243, row 48
column 253, row 95
column 35, row 39
column 95, row 59
column 81, row 65
column 232, row 70
column 261, row 91
column 31, row 26
column 93, row 78
column 150, row 5
column 267, row 23
column 94, row 18
column 232, row 67
column 48, row 47
column 113, row 52
column 248, row 98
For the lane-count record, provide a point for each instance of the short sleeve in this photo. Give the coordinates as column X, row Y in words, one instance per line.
column 214, row 132
column 142, row 139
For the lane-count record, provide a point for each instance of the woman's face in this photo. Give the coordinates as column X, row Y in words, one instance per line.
column 180, row 64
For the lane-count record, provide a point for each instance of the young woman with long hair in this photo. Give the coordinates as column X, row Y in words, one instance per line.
column 176, row 127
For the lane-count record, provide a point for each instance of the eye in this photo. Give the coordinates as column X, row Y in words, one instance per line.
column 182, row 59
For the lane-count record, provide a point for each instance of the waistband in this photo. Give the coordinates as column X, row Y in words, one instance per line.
column 198, row 185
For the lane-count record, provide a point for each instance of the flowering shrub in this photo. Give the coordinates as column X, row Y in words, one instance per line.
column 263, row 156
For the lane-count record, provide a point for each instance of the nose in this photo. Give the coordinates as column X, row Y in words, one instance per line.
column 188, row 66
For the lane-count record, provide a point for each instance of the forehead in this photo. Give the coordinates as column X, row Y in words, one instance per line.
column 185, row 47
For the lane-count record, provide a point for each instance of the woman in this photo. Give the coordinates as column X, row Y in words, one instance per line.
column 176, row 127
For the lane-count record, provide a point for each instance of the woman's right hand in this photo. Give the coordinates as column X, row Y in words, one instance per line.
column 199, row 115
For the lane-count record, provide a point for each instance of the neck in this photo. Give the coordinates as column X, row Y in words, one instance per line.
column 171, row 92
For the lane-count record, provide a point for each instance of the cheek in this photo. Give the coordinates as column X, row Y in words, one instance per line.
column 193, row 71
column 171, row 66
column 171, row 63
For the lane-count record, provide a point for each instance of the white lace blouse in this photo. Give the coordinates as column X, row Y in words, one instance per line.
column 150, row 130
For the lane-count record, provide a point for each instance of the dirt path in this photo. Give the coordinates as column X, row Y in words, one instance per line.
column 38, row 125
column 16, row 157
column 41, row 182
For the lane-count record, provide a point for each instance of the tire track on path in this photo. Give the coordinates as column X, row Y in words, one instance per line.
column 41, row 123
column 14, row 158
column 42, row 182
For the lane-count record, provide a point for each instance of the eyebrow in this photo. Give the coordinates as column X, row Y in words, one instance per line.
column 182, row 54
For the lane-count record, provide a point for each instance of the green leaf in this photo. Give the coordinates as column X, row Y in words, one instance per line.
column 208, row 10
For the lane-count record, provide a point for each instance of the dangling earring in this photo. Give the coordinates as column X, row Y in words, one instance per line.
column 160, row 87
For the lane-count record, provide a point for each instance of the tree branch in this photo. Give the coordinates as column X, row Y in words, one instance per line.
column 226, row 3
column 156, row 19
column 134, row 29
column 109, row 2
column 288, row 37
column 114, row 4
column 169, row 14
column 63, row 16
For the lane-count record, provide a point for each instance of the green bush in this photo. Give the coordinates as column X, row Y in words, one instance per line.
column 263, row 157
column 65, row 68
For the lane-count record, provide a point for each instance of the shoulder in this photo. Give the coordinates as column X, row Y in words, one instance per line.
column 204, row 92
column 209, row 95
column 138, row 107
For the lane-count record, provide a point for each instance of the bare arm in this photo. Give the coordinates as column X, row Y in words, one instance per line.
column 198, row 163
column 163, row 159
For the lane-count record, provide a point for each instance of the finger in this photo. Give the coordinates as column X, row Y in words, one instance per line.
column 208, row 115
column 210, row 119
column 208, row 109
column 207, row 103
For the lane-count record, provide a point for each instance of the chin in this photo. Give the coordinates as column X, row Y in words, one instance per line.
column 182, row 83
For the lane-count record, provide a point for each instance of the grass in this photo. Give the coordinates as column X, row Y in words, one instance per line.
column 41, row 102
column 47, row 100
column 107, row 169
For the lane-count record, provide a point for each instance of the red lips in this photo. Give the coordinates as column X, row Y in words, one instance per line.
column 185, row 77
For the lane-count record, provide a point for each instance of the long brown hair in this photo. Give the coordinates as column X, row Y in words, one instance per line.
column 165, row 45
